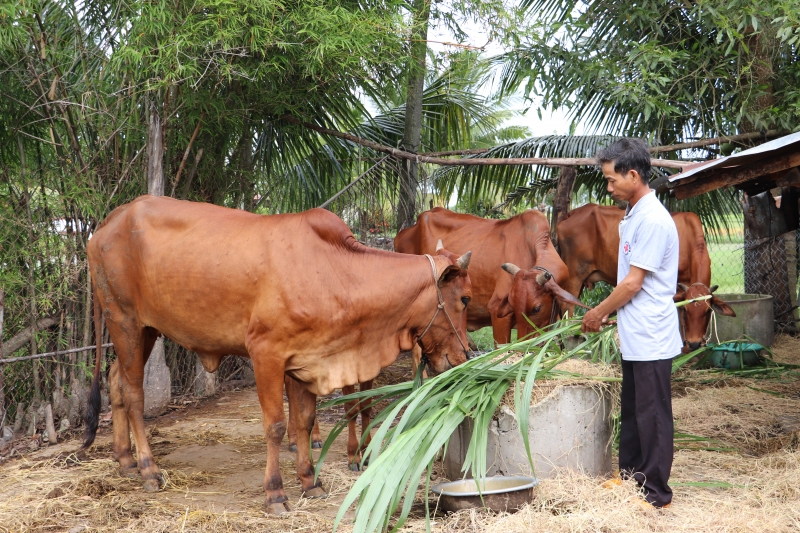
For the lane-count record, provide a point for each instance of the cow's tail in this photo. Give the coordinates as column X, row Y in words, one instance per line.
column 92, row 416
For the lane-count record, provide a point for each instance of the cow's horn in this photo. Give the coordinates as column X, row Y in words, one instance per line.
column 683, row 287
column 713, row 288
column 543, row 277
column 463, row 261
column 511, row 268
column 439, row 245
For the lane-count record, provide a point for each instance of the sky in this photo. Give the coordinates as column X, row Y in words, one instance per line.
column 553, row 121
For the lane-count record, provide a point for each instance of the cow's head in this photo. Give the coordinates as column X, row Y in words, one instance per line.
column 695, row 316
column 533, row 295
column 444, row 342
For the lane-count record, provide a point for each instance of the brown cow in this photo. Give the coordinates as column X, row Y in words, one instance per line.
column 522, row 242
column 588, row 239
column 295, row 293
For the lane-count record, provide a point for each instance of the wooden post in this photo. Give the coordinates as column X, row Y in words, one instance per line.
column 561, row 202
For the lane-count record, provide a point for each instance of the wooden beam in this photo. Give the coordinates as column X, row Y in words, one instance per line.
column 737, row 175
column 784, row 178
column 402, row 154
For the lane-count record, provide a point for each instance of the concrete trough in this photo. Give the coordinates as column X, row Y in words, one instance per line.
column 570, row 428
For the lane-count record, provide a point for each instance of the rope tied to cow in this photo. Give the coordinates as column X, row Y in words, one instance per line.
column 682, row 316
column 439, row 307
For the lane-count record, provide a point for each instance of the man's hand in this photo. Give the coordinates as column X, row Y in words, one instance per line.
column 593, row 321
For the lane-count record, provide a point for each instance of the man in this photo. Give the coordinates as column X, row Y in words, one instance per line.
column 648, row 320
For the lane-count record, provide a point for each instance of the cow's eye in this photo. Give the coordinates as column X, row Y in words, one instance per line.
column 465, row 300
column 536, row 309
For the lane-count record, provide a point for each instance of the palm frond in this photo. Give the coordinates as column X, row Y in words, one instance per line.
column 491, row 184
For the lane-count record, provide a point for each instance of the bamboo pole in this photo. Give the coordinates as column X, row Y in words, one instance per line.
column 420, row 158
column 53, row 354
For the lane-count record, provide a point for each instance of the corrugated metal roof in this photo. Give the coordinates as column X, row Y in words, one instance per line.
column 761, row 151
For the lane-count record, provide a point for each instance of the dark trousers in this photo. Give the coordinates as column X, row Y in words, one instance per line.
column 645, row 440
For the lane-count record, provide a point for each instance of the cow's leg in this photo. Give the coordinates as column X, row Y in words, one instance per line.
column 270, row 384
column 122, row 431
column 133, row 351
column 305, row 412
column 351, row 410
column 316, row 436
column 416, row 356
column 292, row 433
column 501, row 329
column 366, row 416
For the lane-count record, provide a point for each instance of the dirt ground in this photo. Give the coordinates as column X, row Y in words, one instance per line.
column 736, row 469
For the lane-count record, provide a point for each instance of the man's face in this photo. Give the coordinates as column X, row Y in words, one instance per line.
column 622, row 187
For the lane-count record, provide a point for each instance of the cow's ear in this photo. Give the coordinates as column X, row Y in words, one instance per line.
column 679, row 296
column 721, row 307
column 448, row 274
column 504, row 308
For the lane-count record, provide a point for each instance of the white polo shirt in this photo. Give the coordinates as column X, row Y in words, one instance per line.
column 648, row 324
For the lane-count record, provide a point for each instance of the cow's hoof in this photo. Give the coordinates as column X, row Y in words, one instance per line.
column 317, row 444
column 354, row 467
column 130, row 472
column 365, row 463
column 293, row 447
column 277, row 509
column 315, row 492
column 152, row 485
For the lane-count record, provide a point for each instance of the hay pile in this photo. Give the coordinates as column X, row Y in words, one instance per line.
column 753, row 487
column 765, row 496
column 786, row 349
column 572, row 372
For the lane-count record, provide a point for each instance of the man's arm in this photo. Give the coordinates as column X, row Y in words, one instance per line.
column 622, row 294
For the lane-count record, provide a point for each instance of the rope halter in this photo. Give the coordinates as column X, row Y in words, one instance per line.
column 683, row 315
column 439, row 307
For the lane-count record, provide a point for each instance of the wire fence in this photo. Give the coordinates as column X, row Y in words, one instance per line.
column 741, row 264
column 48, row 308
column 48, row 305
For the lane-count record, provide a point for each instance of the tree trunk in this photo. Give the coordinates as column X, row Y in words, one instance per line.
column 561, row 202
column 2, row 368
column 37, row 391
column 766, row 268
column 412, row 133
column 156, row 374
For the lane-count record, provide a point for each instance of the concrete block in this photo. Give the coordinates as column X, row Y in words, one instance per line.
column 205, row 383
column 157, row 382
column 570, row 428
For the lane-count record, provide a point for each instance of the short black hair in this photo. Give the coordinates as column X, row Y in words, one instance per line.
column 627, row 154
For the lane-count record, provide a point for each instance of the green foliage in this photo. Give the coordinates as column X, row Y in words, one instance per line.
column 662, row 71
column 428, row 413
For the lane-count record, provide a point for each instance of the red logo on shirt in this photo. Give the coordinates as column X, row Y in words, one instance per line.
column 626, row 248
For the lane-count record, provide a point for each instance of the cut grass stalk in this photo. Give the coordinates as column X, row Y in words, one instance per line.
column 400, row 454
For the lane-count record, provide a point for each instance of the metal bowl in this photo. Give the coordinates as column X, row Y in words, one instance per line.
column 500, row 493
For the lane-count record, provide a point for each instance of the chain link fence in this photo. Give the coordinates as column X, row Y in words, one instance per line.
column 47, row 305
column 741, row 264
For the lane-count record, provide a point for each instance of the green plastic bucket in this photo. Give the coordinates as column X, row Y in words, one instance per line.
column 734, row 355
